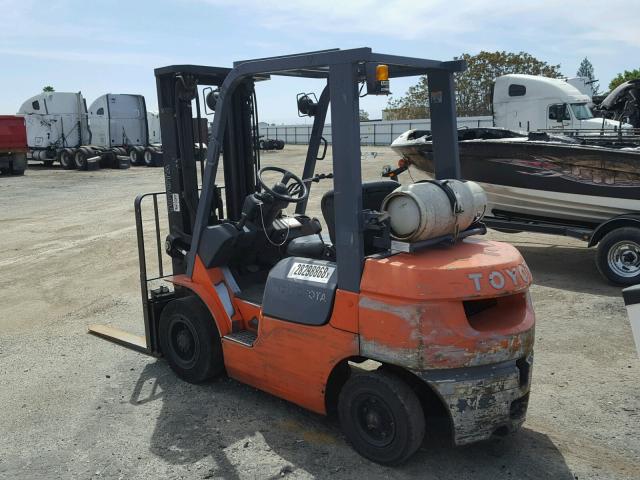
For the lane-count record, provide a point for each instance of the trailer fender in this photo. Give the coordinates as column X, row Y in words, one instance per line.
column 626, row 220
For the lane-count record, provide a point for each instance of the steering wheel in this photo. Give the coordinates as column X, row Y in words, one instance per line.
column 299, row 189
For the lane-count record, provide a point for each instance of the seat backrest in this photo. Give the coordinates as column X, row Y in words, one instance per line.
column 373, row 193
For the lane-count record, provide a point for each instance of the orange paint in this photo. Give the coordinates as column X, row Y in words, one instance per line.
column 449, row 273
column 202, row 283
column 345, row 311
column 290, row 360
column 415, row 317
column 409, row 312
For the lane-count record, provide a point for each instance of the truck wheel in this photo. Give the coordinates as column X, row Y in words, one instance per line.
column 136, row 156
column 618, row 256
column 147, row 156
column 81, row 158
column 65, row 158
column 190, row 341
column 381, row 417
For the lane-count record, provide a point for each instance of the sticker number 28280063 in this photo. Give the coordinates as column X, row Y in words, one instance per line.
column 311, row 272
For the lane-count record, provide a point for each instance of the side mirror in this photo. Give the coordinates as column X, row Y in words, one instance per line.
column 307, row 104
column 212, row 99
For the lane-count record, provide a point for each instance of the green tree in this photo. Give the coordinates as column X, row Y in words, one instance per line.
column 624, row 77
column 364, row 115
column 473, row 86
column 586, row 70
column 48, row 88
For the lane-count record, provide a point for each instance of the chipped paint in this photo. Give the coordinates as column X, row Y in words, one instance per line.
column 480, row 399
column 430, row 335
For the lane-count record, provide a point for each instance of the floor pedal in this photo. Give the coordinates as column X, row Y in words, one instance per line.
column 243, row 337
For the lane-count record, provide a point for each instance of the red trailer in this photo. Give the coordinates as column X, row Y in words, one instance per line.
column 13, row 145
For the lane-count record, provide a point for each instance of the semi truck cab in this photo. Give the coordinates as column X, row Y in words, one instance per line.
column 527, row 103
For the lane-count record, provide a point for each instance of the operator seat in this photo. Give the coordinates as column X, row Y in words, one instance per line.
column 312, row 246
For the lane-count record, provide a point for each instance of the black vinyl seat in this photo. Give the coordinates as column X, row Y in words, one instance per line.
column 313, row 246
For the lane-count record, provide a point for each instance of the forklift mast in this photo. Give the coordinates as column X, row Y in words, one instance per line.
column 178, row 88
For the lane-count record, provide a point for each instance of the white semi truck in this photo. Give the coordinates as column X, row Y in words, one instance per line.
column 529, row 103
column 57, row 124
column 112, row 132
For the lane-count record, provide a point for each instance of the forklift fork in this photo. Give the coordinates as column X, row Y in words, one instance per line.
column 151, row 304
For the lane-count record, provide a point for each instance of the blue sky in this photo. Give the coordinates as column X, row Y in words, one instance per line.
column 113, row 46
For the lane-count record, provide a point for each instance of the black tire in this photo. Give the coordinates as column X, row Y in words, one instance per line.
column 136, row 155
column 189, row 340
column 65, row 157
column 381, row 417
column 80, row 158
column 618, row 256
column 262, row 145
column 147, row 157
column 279, row 144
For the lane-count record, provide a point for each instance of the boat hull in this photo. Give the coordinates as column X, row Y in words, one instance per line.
column 556, row 182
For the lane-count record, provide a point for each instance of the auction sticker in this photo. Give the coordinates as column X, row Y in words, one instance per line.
column 311, row 272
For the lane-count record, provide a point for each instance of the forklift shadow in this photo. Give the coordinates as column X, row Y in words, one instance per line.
column 566, row 268
column 241, row 430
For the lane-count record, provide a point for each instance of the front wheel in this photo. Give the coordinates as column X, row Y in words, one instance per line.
column 189, row 340
column 381, row 417
column 618, row 257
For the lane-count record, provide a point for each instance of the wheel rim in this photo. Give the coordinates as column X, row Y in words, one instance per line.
column 624, row 259
column 133, row 156
column 374, row 420
column 147, row 157
column 184, row 342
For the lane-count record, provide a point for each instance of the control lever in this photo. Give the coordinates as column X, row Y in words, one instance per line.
column 388, row 172
column 293, row 188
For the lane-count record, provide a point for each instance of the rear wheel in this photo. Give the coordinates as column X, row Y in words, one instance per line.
column 190, row 341
column 381, row 416
column 618, row 257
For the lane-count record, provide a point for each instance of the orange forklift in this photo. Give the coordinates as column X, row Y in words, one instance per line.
column 349, row 320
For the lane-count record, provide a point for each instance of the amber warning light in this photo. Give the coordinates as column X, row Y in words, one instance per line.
column 381, row 84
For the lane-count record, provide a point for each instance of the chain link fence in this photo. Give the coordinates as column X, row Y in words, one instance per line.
column 371, row 132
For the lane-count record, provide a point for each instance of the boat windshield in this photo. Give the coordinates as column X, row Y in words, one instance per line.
column 581, row 111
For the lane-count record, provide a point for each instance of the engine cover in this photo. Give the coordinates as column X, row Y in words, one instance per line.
column 301, row 290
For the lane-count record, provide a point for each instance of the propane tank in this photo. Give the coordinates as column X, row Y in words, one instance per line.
column 431, row 209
